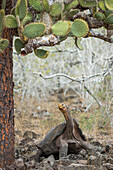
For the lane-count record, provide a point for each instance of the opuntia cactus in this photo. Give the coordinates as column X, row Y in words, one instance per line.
column 41, row 53
column 36, row 4
column 21, row 9
column 61, row 28
column 18, row 45
column 10, row 21
column 33, row 30
column 109, row 4
column 80, row 28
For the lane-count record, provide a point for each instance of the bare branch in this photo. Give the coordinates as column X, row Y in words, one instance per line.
column 101, row 36
column 72, row 79
column 46, row 40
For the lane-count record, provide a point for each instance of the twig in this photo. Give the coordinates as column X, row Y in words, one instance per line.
column 73, row 79
column 101, row 36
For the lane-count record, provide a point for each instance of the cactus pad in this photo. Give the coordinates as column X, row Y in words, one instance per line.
column 41, row 53
column 109, row 19
column 45, row 4
column 36, row 4
column 72, row 12
column 33, row 30
column 71, row 5
column 28, row 18
column 80, row 28
column 107, row 13
column 2, row 13
column 78, row 43
column 87, row 3
column 21, row 8
column 61, row 28
column 56, row 9
column 99, row 16
column 13, row 11
column 18, row 45
column 109, row 4
column 4, row 44
column 10, row 21
column 102, row 5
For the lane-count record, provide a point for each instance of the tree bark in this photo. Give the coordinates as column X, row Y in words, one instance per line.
column 6, row 99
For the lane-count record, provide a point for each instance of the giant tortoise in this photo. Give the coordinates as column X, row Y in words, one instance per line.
column 65, row 138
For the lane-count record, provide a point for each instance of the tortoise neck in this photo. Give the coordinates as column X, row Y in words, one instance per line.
column 69, row 123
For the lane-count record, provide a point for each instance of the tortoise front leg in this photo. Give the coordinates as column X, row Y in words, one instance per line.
column 63, row 149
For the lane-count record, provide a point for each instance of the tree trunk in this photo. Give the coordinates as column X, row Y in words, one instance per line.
column 6, row 99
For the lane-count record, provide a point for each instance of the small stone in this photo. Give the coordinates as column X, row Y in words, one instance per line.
column 30, row 164
column 92, row 160
column 51, row 160
column 71, row 157
column 83, row 162
column 79, row 167
column 19, row 163
column 83, row 152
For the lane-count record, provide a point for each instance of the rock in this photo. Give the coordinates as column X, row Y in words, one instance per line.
column 83, row 152
column 44, row 113
column 80, row 167
column 19, row 163
column 108, row 148
column 71, row 157
column 30, row 134
column 110, row 160
column 83, row 162
column 93, row 160
column 108, row 166
column 30, row 164
column 51, row 160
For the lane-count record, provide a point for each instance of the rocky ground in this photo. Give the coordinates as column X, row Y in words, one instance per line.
column 100, row 159
column 34, row 119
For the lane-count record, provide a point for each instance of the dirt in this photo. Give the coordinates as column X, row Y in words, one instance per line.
column 33, row 119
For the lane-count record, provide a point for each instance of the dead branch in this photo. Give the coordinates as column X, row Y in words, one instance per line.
column 72, row 79
column 46, row 40
column 101, row 36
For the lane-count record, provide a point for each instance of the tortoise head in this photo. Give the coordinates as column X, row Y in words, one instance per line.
column 64, row 109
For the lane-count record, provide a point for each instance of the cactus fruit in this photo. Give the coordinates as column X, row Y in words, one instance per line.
column 80, row 28
column 109, row 4
column 55, row 9
column 18, row 45
column 109, row 19
column 36, row 4
column 33, row 30
column 45, row 4
column 28, row 18
column 41, row 53
column 2, row 13
column 3, row 44
column 47, row 20
column 87, row 3
column 21, row 9
column 78, row 43
column 61, row 28
column 102, row 5
column 71, row 5
column 99, row 16
column 10, row 21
